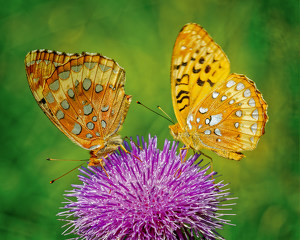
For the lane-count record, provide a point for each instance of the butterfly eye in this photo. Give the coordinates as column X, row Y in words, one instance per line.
column 174, row 130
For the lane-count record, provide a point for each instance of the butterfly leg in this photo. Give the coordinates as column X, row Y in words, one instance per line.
column 127, row 138
column 101, row 164
column 126, row 151
column 211, row 163
column 180, row 150
column 203, row 154
column 96, row 161
column 178, row 171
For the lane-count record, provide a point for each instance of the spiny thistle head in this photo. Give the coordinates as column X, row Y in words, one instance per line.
column 149, row 194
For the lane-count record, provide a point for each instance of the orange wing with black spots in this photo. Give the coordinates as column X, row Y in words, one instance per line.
column 217, row 111
column 197, row 65
column 82, row 94
column 39, row 66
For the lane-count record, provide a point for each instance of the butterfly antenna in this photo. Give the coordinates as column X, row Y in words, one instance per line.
column 71, row 160
column 165, row 114
column 154, row 111
column 66, row 173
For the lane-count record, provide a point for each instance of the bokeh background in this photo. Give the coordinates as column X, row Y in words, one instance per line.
column 261, row 39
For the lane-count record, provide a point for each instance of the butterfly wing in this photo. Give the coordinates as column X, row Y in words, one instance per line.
column 198, row 63
column 39, row 66
column 83, row 95
column 226, row 114
column 231, row 118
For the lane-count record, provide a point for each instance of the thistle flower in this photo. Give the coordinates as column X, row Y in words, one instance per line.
column 155, row 198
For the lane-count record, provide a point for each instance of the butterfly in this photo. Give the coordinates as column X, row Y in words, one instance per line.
column 83, row 95
column 215, row 110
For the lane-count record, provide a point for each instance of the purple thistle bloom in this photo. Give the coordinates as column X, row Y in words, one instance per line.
column 155, row 198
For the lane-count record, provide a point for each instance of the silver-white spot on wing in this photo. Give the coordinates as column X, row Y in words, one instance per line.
column 89, row 135
column 104, row 109
column 215, row 94
column 76, row 68
column 90, row 125
column 255, row 114
column 77, row 129
column 98, row 88
column 203, row 110
column 218, row 132
column 54, row 86
column 103, row 123
column 104, row 68
column 189, row 119
column 238, row 113
column 240, row 86
column 207, row 132
column 94, row 147
column 64, row 75
column 50, row 98
column 90, row 65
column 254, row 128
column 86, row 84
column 247, row 93
column 60, row 115
column 230, row 83
column 251, row 102
column 215, row 119
column 87, row 109
column 65, row 105
column 223, row 98
column 71, row 93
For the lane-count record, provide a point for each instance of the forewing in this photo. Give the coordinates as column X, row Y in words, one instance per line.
column 86, row 100
column 39, row 66
column 198, row 63
column 231, row 118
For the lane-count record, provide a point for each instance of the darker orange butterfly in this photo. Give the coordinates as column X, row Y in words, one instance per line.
column 215, row 110
column 83, row 95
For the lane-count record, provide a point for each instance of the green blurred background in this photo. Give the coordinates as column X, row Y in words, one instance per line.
column 261, row 39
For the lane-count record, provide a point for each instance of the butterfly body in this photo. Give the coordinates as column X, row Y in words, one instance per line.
column 83, row 95
column 216, row 111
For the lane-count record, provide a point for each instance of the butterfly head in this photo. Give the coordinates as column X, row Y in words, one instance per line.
column 104, row 148
column 174, row 129
column 95, row 161
column 177, row 132
column 182, row 135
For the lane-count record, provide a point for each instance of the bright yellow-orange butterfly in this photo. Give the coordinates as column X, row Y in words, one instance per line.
column 83, row 95
column 217, row 111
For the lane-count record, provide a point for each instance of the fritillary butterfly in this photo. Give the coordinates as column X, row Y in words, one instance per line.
column 217, row 111
column 83, row 95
